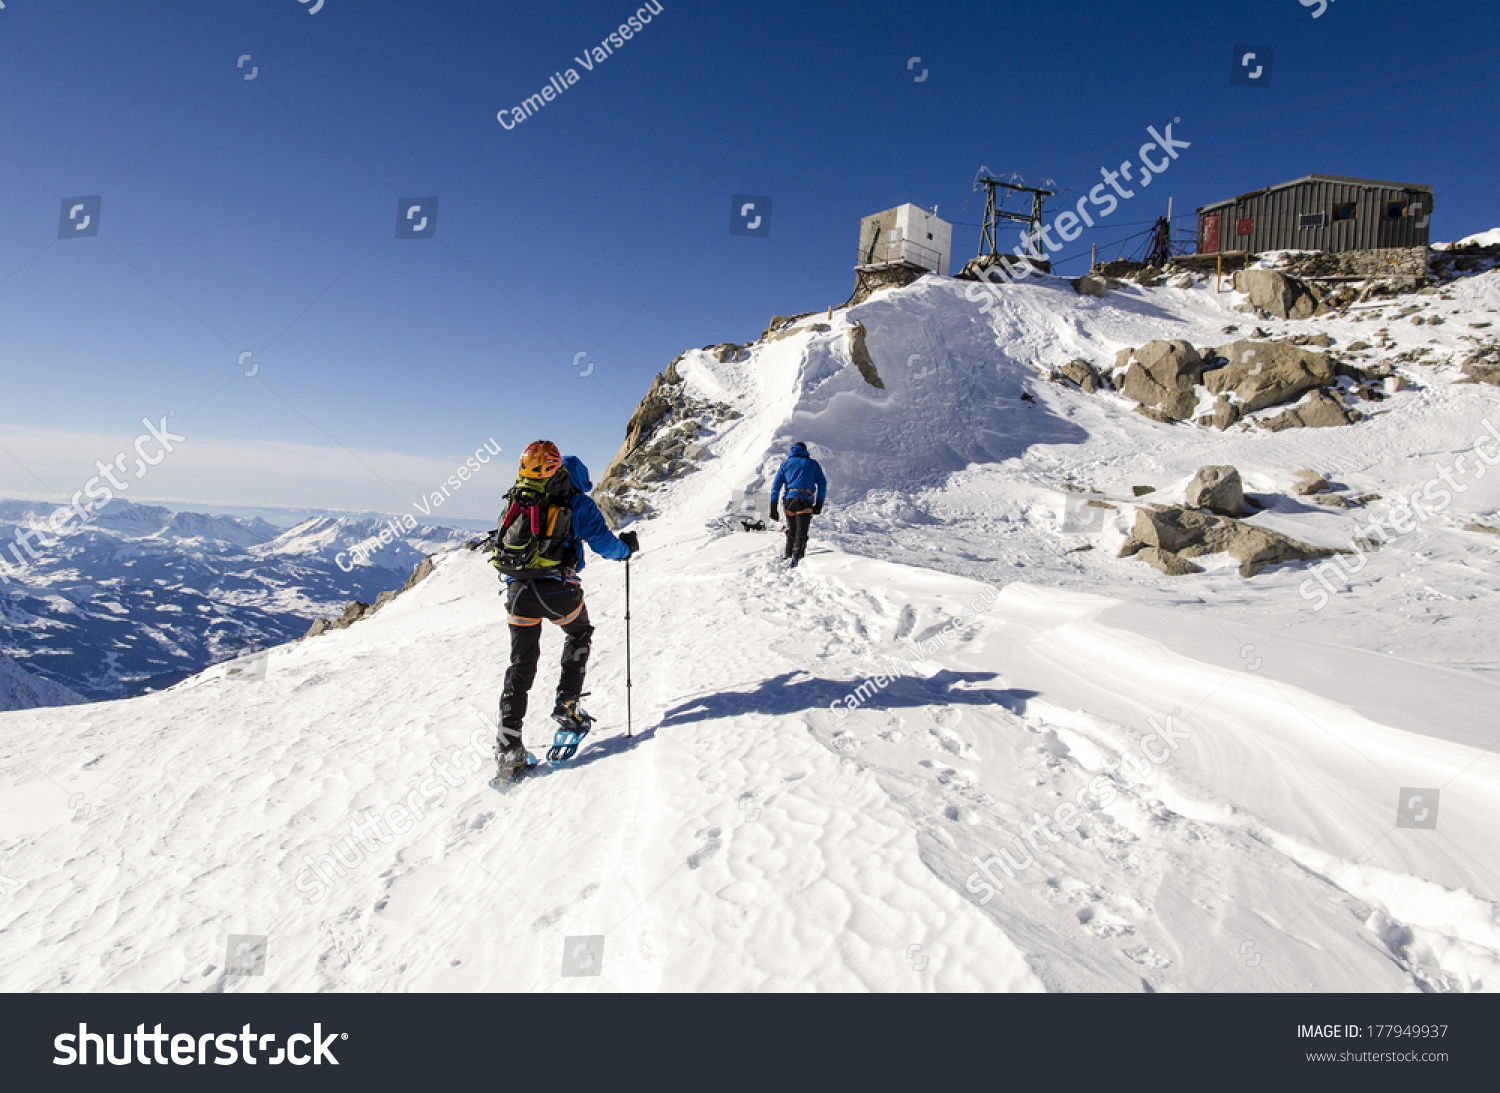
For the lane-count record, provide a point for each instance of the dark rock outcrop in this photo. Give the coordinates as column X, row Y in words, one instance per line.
column 1084, row 375
column 1319, row 410
column 1225, row 414
column 358, row 609
column 661, row 443
column 859, row 353
column 1091, row 285
column 1173, row 565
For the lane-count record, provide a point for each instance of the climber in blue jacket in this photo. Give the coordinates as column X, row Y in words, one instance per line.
column 802, row 481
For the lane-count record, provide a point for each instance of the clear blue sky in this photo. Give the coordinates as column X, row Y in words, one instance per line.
column 259, row 215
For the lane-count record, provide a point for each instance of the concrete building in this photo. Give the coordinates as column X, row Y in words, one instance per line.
column 905, row 236
column 1319, row 212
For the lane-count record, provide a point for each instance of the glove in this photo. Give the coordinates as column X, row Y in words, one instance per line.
column 631, row 541
column 818, row 508
column 774, row 514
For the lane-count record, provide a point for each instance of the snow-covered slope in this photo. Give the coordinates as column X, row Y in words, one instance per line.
column 20, row 690
column 1195, row 781
column 1490, row 238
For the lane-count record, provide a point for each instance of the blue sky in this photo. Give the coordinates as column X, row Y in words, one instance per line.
column 258, row 215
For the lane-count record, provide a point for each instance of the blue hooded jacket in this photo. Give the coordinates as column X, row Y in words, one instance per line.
column 800, row 471
column 589, row 525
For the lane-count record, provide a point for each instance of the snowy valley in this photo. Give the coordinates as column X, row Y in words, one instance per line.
column 144, row 597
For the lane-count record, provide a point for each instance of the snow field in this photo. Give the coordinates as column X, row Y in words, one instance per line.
column 751, row 837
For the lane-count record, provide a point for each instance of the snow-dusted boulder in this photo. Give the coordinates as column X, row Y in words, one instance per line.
column 1482, row 366
column 1190, row 534
column 1217, row 489
column 1318, row 410
column 1278, row 295
column 1266, row 373
column 1163, row 375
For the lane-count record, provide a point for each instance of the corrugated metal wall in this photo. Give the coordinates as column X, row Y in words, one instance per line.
column 1275, row 218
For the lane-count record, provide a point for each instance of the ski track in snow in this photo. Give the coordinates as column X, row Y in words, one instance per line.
column 750, row 837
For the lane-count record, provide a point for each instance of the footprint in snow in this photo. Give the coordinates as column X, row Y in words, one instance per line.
column 1146, row 956
column 905, row 622
column 961, row 815
column 710, row 847
column 1101, row 927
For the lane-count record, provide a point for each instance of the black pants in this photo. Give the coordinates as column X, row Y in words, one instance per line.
column 796, row 533
column 559, row 602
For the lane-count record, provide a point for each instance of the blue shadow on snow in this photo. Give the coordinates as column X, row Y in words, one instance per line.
column 780, row 696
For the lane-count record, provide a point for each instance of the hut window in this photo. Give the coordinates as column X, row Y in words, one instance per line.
column 1395, row 210
column 1344, row 211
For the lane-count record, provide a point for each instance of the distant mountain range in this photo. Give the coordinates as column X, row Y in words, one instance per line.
column 145, row 596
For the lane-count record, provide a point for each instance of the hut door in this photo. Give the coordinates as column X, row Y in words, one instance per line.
column 1210, row 234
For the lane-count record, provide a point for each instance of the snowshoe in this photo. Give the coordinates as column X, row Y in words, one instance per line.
column 572, row 726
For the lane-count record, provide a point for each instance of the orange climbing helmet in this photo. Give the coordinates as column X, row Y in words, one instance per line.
column 541, row 459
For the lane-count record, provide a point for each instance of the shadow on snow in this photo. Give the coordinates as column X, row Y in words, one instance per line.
column 781, row 695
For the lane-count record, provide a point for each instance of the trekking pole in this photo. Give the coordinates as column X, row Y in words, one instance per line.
column 629, row 728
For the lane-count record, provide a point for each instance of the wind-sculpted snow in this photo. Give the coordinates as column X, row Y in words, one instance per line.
column 952, row 398
column 752, row 836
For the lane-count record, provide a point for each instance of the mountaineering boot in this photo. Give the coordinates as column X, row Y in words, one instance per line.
column 572, row 726
column 511, row 756
column 510, row 762
column 569, row 714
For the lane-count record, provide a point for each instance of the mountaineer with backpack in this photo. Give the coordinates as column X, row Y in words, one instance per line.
column 805, row 488
column 539, row 551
